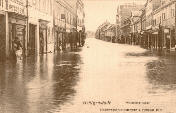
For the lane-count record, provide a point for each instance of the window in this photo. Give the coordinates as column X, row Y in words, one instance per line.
column 160, row 19
column 164, row 16
column 172, row 12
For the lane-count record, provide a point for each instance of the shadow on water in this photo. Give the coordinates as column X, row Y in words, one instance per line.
column 66, row 76
column 146, row 53
column 39, row 84
column 162, row 74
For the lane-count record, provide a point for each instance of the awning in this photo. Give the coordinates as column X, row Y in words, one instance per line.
column 155, row 33
column 149, row 27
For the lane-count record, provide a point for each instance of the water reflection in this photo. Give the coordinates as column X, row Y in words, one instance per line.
column 162, row 72
column 39, row 84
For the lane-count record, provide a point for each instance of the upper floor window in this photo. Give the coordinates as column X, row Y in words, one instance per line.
column 172, row 12
column 164, row 16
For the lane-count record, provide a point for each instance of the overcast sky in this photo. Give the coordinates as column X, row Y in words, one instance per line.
column 98, row 11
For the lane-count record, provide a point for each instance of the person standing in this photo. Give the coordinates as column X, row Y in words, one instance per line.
column 80, row 38
column 17, row 48
column 71, row 40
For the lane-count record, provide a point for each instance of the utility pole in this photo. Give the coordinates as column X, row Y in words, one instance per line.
column 27, row 28
column 76, row 14
column 175, row 23
column 7, row 30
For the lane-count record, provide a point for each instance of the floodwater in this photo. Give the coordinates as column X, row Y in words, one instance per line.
column 101, row 77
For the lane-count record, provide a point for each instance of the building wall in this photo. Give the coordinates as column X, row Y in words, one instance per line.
column 81, row 14
column 124, row 11
column 42, row 10
column 68, row 9
column 165, row 16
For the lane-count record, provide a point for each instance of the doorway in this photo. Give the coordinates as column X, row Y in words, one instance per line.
column 32, row 41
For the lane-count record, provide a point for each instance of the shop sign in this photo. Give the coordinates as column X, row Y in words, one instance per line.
column 166, row 30
column 17, row 6
column 168, row 36
column 155, row 33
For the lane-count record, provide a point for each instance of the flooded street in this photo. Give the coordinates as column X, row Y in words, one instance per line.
column 101, row 77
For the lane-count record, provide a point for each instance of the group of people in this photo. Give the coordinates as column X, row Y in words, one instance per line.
column 73, row 39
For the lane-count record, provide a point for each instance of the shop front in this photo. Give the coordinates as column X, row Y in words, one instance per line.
column 17, row 29
column 2, row 36
column 32, row 39
column 58, row 38
column 43, row 36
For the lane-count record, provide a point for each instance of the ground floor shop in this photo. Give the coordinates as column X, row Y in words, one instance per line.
column 17, row 29
column 163, row 38
column 2, row 36
column 60, row 38
column 32, row 40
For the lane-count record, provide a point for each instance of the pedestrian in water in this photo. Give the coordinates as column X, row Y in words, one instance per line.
column 79, row 38
column 83, row 38
column 71, row 40
column 74, row 38
column 17, row 49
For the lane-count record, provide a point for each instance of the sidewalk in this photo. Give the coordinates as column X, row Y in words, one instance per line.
column 163, row 52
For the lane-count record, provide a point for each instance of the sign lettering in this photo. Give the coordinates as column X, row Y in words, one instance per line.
column 17, row 6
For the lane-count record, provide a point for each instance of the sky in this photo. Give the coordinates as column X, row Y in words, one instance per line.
column 99, row 11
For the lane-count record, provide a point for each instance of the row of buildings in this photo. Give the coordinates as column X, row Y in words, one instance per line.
column 106, row 32
column 151, row 25
column 39, row 24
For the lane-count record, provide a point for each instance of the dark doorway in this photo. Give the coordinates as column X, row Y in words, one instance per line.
column 32, row 41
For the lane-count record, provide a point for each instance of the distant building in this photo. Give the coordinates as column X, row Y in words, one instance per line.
column 106, row 32
column 100, row 32
column 90, row 34
column 124, row 12
column 80, row 15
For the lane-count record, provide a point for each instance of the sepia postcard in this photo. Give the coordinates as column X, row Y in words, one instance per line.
column 87, row 56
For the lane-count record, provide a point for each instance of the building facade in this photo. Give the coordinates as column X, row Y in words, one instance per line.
column 39, row 24
column 124, row 12
column 164, row 18
column 40, row 27
column 154, row 27
column 15, row 24
column 80, row 15
column 68, row 15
